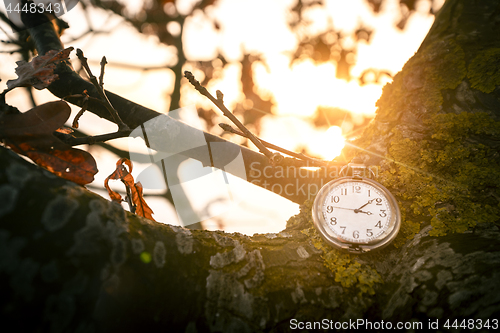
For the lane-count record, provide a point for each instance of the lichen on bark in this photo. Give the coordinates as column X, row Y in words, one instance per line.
column 436, row 129
column 484, row 70
column 353, row 273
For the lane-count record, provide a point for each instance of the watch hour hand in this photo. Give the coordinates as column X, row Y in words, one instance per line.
column 366, row 204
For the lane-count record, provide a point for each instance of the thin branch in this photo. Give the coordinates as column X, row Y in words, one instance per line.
column 5, row 19
column 29, row 90
column 136, row 67
column 82, row 110
column 128, row 198
column 11, row 52
column 121, row 125
column 220, row 104
column 83, row 97
column 136, row 157
column 90, row 140
column 300, row 156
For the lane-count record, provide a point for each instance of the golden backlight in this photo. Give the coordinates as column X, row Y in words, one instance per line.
column 257, row 27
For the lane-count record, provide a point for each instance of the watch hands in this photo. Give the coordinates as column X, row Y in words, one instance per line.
column 355, row 210
column 366, row 204
column 342, row 208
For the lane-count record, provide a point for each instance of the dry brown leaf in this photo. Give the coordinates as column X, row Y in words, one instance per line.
column 140, row 208
column 31, row 134
column 39, row 72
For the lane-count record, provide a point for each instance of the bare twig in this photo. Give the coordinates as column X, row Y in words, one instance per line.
column 135, row 67
column 121, row 125
column 90, row 140
column 123, row 129
column 101, row 76
column 128, row 199
column 83, row 109
column 220, row 104
column 301, row 156
column 11, row 52
column 83, row 97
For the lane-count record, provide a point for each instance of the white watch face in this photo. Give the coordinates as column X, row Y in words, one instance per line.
column 357, row 212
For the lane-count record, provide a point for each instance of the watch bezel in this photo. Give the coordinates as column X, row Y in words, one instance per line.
column 333, row 239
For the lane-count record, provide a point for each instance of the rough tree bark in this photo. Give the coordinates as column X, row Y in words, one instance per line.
column 73, row 261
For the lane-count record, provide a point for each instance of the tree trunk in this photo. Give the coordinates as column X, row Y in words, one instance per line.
column 73, row 261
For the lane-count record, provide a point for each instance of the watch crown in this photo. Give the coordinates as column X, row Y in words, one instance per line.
column 356, row 168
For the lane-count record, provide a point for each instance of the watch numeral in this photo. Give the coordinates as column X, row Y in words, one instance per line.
column 343, row 191
column 368, row 193
column 333, row 221
column 343, row 230
column 379, row 201
column 335, row 199
column 379, row 224
column 356, row 189
column 369, row 232
column 383, row 214
column 355, row 234
column 329, row 209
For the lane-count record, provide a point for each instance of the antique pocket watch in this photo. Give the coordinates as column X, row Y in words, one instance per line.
column 356, row 213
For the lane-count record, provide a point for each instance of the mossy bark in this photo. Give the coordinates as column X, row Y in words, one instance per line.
column 437, row 129
column 71, row 261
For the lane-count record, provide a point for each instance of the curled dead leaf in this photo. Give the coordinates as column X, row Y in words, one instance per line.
column 134, row 190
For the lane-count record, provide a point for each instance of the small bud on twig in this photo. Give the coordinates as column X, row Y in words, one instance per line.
column 220, row 96
column 101, row 76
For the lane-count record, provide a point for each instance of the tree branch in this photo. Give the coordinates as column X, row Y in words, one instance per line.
column 90, row 265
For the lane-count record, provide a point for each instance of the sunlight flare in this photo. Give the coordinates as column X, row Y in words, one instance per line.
column 329, row 144
column 299, row 90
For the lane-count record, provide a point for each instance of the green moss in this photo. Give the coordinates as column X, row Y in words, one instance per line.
column 302, row 220
column 441, row 65
column 442, row 165
column 349, row 272
column 484, row 70
column 452, row 180
column 408, row 230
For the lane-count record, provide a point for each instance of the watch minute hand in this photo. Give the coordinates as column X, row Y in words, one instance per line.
column 355, row 210
column 366, row 204
column 344, row 208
